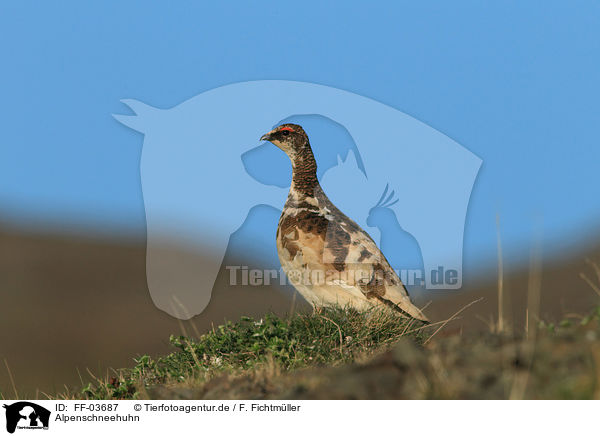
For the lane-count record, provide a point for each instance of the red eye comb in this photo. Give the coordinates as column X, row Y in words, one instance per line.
column 286, row 128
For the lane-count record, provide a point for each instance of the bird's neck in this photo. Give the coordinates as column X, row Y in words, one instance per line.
column 304, row 173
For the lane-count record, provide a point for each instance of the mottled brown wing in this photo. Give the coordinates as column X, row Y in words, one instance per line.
column 367, row 268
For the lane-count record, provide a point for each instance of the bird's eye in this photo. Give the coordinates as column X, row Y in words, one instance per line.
column 285, row 132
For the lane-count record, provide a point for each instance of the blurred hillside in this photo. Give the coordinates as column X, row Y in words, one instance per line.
column 70, row 303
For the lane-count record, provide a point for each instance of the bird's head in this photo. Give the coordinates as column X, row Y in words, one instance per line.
column 291, row 138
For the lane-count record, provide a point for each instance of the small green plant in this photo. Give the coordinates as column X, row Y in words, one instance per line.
column 329, row 337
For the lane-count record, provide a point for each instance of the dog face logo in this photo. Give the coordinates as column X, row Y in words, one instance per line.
column 26, row 415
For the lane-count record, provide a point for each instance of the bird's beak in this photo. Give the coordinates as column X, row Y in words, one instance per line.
column 265, row 137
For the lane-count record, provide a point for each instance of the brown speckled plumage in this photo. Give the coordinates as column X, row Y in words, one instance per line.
column 314, row 238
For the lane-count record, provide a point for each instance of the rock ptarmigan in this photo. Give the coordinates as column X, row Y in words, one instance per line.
column 327, row 257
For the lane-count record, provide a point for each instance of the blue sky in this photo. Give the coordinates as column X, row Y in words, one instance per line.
column 514, row 82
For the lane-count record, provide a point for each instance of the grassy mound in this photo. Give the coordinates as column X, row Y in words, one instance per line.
column 549, row 362
column 345, row 354
column 330, row 337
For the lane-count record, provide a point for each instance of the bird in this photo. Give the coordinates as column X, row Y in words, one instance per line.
column 326, row 256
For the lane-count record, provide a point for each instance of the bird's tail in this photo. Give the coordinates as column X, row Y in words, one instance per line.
column 406, row 308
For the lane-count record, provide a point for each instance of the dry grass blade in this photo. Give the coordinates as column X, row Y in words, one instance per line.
column 433, row 324
column 534, row 291
column 12, row 380
column 426, row 306
column 520, row 378
column 193, row 353
column 596, row 267
column 408, row 325
column 339, row 331
column 590, row 283
column 500, row 279
column 451, row 318
column 186, row 315
column 490, row 323
column 94, row 377
column 179, row 317
column 292, row 305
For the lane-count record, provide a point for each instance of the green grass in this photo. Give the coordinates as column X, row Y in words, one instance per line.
column 331, row 337
column 344, row 353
